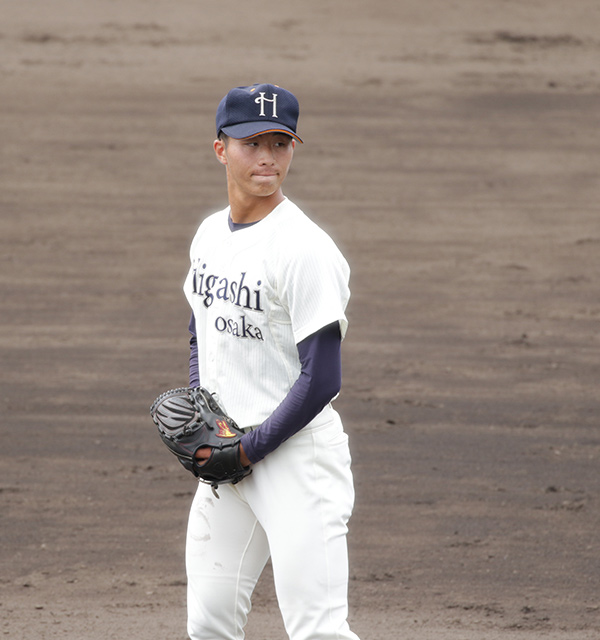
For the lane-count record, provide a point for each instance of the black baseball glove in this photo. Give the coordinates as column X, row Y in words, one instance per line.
column 189, row 418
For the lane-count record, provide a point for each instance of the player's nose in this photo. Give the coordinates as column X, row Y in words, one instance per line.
column 266, row 155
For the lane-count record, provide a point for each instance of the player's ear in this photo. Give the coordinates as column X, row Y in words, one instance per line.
column 219, row 147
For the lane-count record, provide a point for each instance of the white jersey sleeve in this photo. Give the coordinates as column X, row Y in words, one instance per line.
column 313, row 283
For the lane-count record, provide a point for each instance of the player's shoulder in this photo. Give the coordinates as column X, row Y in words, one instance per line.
column 214, row 223
column 215, row 220
column 295, row 226
column 300, row 244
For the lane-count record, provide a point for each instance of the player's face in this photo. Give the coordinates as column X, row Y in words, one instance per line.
column 256, row 166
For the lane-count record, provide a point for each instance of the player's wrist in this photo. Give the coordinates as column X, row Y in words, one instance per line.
column 243, row 457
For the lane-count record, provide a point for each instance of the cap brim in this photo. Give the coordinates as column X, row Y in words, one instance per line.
column 253, row 129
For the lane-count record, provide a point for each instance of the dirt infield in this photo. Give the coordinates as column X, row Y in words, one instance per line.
column 452, row 151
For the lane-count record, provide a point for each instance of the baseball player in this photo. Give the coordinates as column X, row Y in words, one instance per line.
column 268, row 291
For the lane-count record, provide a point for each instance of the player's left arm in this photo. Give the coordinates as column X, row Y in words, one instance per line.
column 319, row 382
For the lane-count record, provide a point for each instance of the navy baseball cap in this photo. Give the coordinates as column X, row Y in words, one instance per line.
column 246, row 112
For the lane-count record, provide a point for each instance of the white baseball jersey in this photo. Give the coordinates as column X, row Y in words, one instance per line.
column 255, row 294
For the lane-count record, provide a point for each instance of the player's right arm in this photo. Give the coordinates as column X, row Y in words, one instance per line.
column 194, row 376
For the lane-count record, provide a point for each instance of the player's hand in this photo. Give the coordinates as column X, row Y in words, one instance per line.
column 203, row 454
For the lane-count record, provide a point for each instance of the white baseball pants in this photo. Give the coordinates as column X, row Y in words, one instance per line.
column 294, row 507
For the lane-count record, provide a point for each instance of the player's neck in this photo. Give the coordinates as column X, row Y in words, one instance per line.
column 246, row 209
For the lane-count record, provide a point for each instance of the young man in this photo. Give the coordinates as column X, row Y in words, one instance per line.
column 268, row 290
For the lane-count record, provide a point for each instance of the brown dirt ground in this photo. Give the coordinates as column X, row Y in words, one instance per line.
column 452, row 150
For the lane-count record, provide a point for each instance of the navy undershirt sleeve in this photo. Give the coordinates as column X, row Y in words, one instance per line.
column 194, row 370
column 320, row 380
